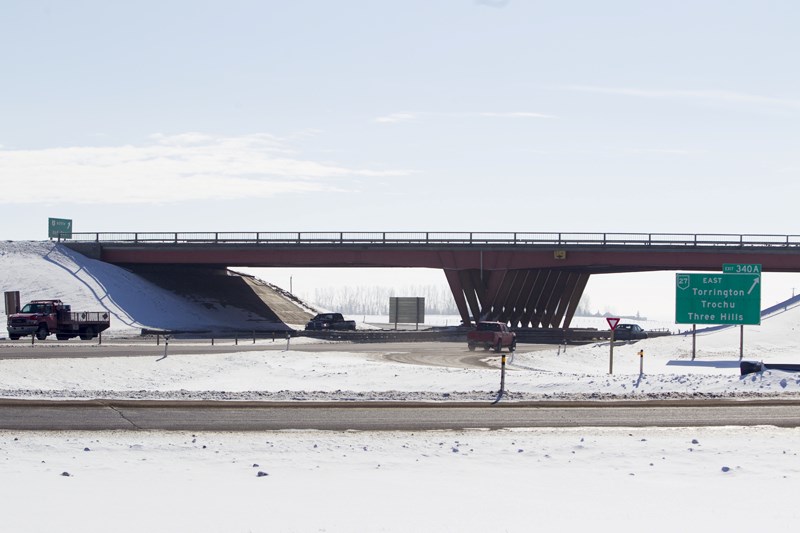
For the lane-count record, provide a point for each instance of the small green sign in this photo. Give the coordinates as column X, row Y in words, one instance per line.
column 734, row 268
column 718, row 299
column 59, row 228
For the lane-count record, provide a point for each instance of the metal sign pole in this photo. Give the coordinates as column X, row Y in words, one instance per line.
column 611, row 354
column 694, row 340
column 613, row 322
column 741, row 342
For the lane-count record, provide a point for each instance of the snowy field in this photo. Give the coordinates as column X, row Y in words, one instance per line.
column 588, row 479
column 676, row 479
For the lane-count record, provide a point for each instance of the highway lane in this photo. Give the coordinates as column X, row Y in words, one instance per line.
column 448, row 354
column 134, row 348
column 146, row 347
column 253, row 416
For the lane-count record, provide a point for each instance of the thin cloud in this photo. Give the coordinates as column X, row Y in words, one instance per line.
column 516, row 114
column 494, row 3
column 170, row 169
column 718, row 96
column 394, row 118
column 664, row 151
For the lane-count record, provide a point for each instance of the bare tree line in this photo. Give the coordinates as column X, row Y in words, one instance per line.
column 374, row 300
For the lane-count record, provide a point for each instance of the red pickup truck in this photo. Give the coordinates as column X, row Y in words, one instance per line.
column 44, row 317
column 492, row 335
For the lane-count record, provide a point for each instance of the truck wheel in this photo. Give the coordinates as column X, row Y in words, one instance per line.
column 513, row 347
column 14, row 337
column 487, row 347
column 471, row 347
column 88, row 334
column 499, row 346
column 42, row 332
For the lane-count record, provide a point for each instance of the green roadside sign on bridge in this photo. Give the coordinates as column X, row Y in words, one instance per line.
column 718, row 298
column 59, row 228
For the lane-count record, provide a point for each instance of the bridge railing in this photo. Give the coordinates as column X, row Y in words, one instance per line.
column 440, row 238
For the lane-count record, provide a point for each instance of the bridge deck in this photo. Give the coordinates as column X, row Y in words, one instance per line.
column 443, row 238
column 525, row 279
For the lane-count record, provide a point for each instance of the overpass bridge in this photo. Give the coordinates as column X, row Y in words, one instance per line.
column 523, row 278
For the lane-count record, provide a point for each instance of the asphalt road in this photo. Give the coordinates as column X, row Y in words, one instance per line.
column 448, row 354
column 253, row 416
column 210, row 416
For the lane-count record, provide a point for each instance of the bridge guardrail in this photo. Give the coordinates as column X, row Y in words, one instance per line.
column 440, row 238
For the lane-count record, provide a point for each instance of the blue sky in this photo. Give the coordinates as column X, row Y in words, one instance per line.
column 453, row 115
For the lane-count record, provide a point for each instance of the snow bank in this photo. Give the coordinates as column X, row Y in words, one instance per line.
column 46, row 270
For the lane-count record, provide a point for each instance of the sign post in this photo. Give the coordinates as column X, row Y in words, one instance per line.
column 612, row 323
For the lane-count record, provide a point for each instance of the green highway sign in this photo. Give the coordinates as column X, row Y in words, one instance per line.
column 734, row 268
column 59, row 228
column 718, row 298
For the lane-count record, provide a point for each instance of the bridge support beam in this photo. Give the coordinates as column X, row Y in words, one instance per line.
column 546, row 298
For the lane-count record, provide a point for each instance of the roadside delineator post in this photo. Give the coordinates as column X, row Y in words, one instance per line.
column 502, row 374
column 641, row 362
column 166, row 345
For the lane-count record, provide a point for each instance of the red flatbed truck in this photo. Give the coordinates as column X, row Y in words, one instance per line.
column 45, row 317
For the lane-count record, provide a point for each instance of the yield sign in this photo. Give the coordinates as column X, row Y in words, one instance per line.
column 612, row 323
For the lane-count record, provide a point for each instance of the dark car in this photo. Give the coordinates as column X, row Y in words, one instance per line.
column 629, row 332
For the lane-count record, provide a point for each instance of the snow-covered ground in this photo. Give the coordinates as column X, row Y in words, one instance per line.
column 587, row 479
column 677, row 479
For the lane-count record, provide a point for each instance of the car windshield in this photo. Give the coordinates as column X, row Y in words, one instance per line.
column 34, row 308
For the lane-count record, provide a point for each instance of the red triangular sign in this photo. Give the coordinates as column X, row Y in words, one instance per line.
column 612, row 323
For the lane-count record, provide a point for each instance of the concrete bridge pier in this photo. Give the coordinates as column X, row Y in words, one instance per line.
column 536, row 297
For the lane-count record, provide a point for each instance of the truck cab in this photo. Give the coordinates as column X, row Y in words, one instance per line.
column 37, row 317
